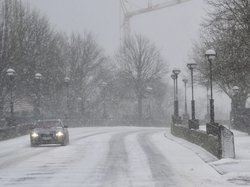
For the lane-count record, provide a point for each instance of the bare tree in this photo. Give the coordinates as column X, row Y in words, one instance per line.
column 227, row 30
column 142, row 63
column 29, row 45
column 86, row 59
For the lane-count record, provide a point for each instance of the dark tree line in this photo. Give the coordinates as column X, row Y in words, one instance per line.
column 29, row 45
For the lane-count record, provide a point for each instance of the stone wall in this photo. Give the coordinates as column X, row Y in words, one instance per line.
column 209, row 142
column 15, row 131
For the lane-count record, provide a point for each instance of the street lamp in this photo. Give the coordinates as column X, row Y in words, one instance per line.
column 208, row 97
column 66, row 81
column 38, row 78
column 173, row 76
column 11, row 73
column 185, row 116
column 212, row 128
column 211, row 54
column 176, row 72
column 193, row 123
column 192, row 66
column 104, row 85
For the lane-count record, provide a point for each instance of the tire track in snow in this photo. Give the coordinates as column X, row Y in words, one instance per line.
column 13, row 158
column 55, row 167
column 140, row 173
column 160, row 168
column 116, row 166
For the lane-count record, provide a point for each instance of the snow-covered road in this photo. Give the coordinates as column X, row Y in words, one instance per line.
column 115, row 156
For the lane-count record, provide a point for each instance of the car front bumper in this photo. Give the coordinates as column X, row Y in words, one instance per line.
column 47, row 140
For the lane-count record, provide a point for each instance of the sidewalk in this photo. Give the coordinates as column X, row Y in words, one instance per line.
column 236, row 171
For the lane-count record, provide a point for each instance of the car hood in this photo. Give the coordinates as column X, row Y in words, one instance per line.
column 47, row 130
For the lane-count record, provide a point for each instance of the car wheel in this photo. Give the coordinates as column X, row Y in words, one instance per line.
column 68, row 140
column 64, row 143
column 33, row 145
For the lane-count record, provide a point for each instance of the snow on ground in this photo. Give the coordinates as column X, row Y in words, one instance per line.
column 118, row 156
column 236, row 171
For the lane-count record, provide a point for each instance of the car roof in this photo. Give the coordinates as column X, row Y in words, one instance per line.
column 48, row 120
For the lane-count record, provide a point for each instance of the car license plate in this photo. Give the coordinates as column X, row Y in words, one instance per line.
column 47, row 138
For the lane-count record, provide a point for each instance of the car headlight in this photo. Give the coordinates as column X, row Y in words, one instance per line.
column 34, row 135
column 59, row 134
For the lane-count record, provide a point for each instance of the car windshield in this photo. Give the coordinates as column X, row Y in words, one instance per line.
column 47, row 124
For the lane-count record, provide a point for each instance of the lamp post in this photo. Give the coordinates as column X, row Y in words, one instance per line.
column 212, row 127
column 66, row 81
column 38, row 78
column 173, row 76
column 192, row 66
column 176, row 72
column 208, row 97
column 193, row 123
column 185, row 116
column 185, row 84
column 210, row 54
column 104, row 85
column 11, row 73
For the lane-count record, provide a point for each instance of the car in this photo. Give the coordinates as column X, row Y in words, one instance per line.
column 51, row 131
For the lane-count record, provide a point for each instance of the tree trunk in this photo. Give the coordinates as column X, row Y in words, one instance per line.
column 139, row 107
column 1, row 109
column 242, row 102
column 238, row 102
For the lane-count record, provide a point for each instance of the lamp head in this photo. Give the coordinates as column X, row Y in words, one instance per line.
column 185, row 80
column 104, row 84
column 210, row 54
column 173, row 76
column 148, row 88
column 176, row 71
column 191, row 66
column 38, row 76
column 10, row 72
column 66, row 79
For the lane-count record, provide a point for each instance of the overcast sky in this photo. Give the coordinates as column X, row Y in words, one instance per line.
column 173, row 29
